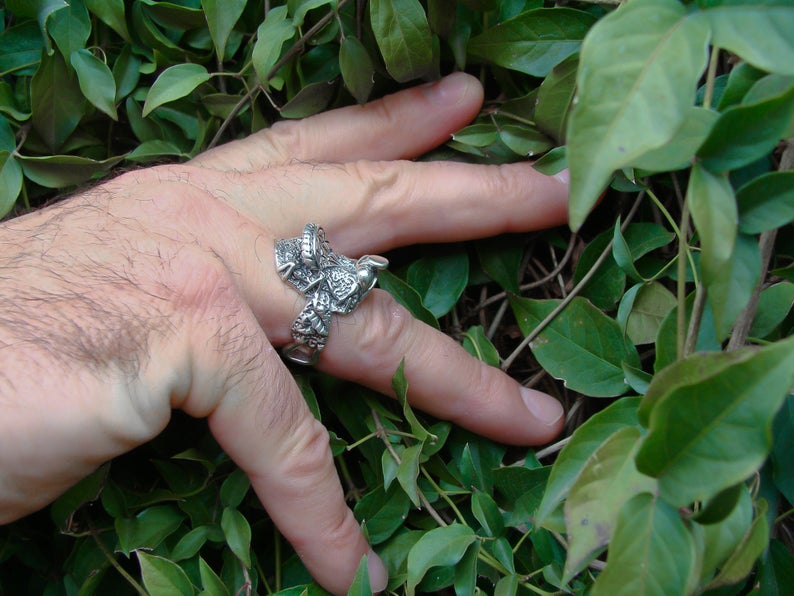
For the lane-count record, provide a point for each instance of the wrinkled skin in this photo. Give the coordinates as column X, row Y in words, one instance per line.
column 158, row 290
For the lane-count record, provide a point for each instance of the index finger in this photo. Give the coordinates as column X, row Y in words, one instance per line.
column 399, row 126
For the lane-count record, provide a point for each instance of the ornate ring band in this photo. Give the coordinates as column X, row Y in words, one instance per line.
column 332, row 283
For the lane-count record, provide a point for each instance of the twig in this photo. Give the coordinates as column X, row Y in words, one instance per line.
column 745, row 321
column 574, row 292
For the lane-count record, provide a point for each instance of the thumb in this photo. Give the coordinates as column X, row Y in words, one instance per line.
column 265, row 426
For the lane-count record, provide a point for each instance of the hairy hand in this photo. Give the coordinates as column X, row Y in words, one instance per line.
column 158, row 290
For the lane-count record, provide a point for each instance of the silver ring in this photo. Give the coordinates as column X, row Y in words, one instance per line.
column 332, row 283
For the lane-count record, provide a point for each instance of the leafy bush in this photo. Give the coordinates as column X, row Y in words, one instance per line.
column 678, row 461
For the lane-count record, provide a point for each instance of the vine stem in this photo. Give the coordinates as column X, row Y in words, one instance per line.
column 574, row 292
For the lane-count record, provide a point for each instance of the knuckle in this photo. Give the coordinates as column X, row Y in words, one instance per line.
column 286, row 140
column 307, row 458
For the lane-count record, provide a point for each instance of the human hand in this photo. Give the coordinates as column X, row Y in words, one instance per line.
column 158, row 290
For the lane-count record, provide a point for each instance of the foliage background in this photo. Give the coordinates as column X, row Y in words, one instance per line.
column 675, row 475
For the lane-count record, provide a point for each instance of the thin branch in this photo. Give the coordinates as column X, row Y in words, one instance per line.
column 574, row 292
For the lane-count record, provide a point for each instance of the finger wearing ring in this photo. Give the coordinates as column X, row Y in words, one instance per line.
column 332, row 283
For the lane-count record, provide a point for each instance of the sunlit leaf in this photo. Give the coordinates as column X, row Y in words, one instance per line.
column 477, row 344
column 70, row 27
column 210, row 582
column 534, row 41
column 652, row 552
column 582, row 346
column 758, row 32
column 162, row 576
column 709, row 418
column 742, row 560
column 638, row 66
column 173, row 83
column 586, row 438
column 746, row 132
column 442, row 547
column 608, row 479
column 274, row 31
column 407, row 296
column 555, row 96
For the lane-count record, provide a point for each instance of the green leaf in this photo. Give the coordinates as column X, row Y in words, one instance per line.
column 440, row 280
column 523, row 140
column 408, row 472
column 20, row 48
column 776, row 575
column 500, row 258
column 57, row 104
column 476, row 343
column 310, row 100
column 10, row 182
column 534, row 41
column 234, row 488
column 582, row 346
column 677, row 153
column 238, row 534
column 399, row 384
column 110, row 12
column 190, row 544
column 358, row 71
column 652, row 552
column 774, row 305
column 441, row 547
column 607, row 481
column 608, row 283
column 742, row 560
column 487, row 514
column 722, row 538
column 403, row 35
column 639, row 65
column 721, row 505
column 161, row 576
column 709, row 418
column 747, row 132
column 361, row 585
column 713, row 207
column 210, row 582
column 766, row 202
column 477, row 135
column 153, row 150
column 96, row 81
column 221, row 17
column 85, row 491
column 173, row 83
column 58, row 171
column 407, row 296
column 466, row 571
column 70, row 27
column 555, row 96
column 733, row 286
column 783, row 446
column 274, row 31
column 651, row 305
column 148, row 529
column 572, row 459
column 758, row 32
column 382, row 513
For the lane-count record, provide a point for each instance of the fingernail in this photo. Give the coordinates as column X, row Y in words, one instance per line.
column 544, row 408
column 564, row 176
column 448, row 91
column 378, row 575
